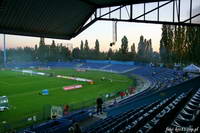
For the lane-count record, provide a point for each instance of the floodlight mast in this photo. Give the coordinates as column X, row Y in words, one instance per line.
column 4, row 49
column 114, row 33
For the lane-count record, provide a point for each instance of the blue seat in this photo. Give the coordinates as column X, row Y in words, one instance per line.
column 182, row 122
column 186, row 115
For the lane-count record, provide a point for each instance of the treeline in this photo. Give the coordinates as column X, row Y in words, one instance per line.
column 43, row 53
column 145, row 51
column 180, row 44
column 58, row 52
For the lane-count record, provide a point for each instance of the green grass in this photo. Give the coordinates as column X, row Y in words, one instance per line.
column 23, row 91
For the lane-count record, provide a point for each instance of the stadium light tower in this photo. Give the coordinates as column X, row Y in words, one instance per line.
column 114, row 33
column 4, row 49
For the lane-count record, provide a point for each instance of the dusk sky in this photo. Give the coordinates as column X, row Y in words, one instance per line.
column 102, row 31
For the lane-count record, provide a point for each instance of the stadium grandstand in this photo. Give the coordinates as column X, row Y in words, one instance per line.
column 165, row 99
column 167, row 95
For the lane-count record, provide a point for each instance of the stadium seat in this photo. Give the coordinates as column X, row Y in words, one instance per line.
column 161, row 120
column 188, row 115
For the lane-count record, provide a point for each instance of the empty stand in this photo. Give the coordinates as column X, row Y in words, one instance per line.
column 174, row 111
column 189, row 115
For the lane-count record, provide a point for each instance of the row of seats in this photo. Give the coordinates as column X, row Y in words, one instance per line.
column 107, row 67
column 108, row 120
column 92, row 65
column 59, row 125
column 53, row 126
column 41, row 64
column 189, row 117
column 119, row 67
column 156, row 117
column 140, row 122
column 160, row 77
column 162, row 119
column 74, row 64
column 157, row 84
column 125, row 118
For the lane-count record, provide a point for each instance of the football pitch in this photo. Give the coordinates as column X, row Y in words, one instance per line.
column 25, row 101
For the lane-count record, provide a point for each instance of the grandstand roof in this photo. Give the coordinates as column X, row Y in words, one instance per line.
column 60, row 19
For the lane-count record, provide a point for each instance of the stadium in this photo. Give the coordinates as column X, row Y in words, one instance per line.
column 59, row 88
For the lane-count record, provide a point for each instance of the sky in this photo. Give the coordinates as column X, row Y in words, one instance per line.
column 102, row 30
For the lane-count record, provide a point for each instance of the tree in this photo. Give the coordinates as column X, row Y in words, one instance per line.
column 124, row 45
column 163, row 42
column 53, row 54
column 36, row 48
column 66, row 52
column 190, row 32
column 180, row 44
column 145, row 50
column 76, row 53
column 110, row 53
column 149, row 49
column 42, row 42
column 133, row 52
column 194, row 41
column 133, row 49
column 82, row 46
column 197, row 50
column 96, row 48
column 141, row 47
column 86, row 47
column 82, row 50
column 42, row 53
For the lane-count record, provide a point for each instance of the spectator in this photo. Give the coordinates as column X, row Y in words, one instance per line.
column 66, row 109
column 99, row 102
column 122, row 94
